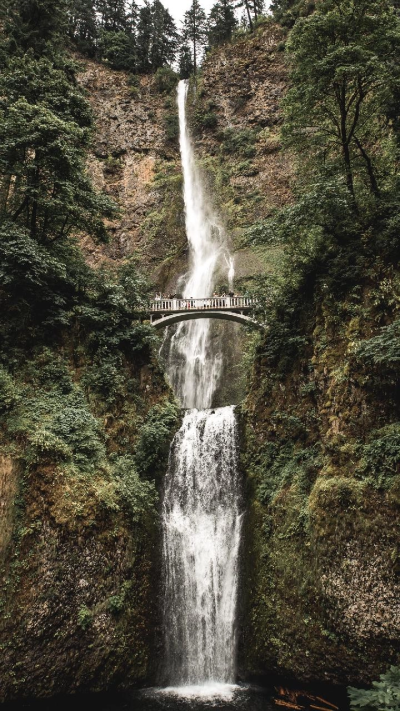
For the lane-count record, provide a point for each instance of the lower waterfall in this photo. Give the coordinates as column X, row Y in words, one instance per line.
column 201, row 534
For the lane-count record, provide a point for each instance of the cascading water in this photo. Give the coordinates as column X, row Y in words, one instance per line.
column 202, row 524
column 196, row 377
column 201, row 512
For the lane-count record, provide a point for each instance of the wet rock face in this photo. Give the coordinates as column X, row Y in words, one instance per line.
column 130, row 149
column 136, row 159
column 8, row 491
column 247, row 80
column 322, row 588
column 79, row 616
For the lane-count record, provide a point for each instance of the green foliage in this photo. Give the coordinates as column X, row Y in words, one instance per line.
column 239, row 142
column 205, row 119
column 115, row 604
column 45, row 131
column 34, row 25
column 380, row 457
column 155, row 435
column 195, row 31
column 85, row 617
column 8, row 391
column 343, row 76
column 139, row 497
column 383, row 349
column 165, row 80
column 186, row 67
column 171, row 126
column 117, row 49
column 284, row 466
column 221, row 23
column 286, row 12
column 383, row 696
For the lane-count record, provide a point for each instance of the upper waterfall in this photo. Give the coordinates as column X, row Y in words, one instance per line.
column 197, row 375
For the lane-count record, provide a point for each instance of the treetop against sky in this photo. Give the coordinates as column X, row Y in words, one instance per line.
column 178, row 8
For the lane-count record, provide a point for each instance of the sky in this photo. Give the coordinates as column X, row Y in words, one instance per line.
column 177, row 8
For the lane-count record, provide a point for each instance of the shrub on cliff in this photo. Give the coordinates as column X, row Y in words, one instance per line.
column 383, row 696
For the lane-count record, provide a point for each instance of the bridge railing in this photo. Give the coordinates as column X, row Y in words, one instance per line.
column 214, row 302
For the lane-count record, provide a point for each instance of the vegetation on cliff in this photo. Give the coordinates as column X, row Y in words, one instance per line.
column 85, row 415
column 322, row 416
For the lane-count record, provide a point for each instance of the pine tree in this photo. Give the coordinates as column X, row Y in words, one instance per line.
column 195, row 30
column 253, row 9
column 34, row 24
column 164, row 39
column 143, row 38
column 113, row 16
column 185, row 62
column 82, row 27
column 221, row 23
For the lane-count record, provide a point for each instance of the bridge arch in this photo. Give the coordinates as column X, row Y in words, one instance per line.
column 169, row 320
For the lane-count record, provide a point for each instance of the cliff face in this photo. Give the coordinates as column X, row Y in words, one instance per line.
column 135, row 160
column 235, row 116
column 79, row 532
column 322, row 467
column 79, row 543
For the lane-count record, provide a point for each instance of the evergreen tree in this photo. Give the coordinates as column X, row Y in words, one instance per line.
column 112, row 14
column 253, row 8
column 195, row 30
column 185, row 62
column 221, row 23
column 164, row 39
column 82, row 28
column 143, row 38
column 34, row 25
column 288, row 11
column 45, row 130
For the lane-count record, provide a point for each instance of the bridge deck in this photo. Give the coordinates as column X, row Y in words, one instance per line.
column 216, row 303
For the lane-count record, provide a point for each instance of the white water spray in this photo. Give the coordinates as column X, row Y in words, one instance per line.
column 197, row 375
column 201, row 523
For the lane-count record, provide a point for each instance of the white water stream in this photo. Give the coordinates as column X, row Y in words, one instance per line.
column 202, row 532
column 193, row 368
column 201, row 513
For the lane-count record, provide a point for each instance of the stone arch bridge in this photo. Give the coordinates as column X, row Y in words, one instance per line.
column 165, row 312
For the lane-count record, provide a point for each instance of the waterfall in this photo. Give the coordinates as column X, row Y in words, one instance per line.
column 193, row 369
column 201, row 523
column 200, row 512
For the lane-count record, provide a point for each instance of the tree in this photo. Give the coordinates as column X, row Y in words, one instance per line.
column 82, row 27
column 253, row 9
column 143, row 38
column 164, row 40
column 185, row 62
column 343, row 58
column 288, row 11
column 195, row 30
column 34, row 24
column 45, row 130
column 221, row 23
column 112, row 15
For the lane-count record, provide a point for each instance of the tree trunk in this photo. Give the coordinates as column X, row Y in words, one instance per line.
column 374, row 185
column 246, row 2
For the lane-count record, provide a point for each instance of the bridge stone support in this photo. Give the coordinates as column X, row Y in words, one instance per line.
column 224, row 315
